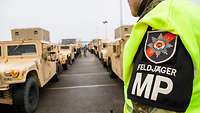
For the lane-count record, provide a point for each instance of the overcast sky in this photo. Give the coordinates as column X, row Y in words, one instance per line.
column 64, row 18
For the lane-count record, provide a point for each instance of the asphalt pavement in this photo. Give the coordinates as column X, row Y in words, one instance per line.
column 84, row 88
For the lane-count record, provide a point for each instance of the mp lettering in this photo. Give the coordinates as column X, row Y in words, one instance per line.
column 144, row 86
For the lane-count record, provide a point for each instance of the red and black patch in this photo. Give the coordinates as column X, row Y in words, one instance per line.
column 160, row 46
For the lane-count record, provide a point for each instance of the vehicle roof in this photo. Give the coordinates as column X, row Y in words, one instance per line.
column 64, row 45
column 24, row 41
column 118, row 39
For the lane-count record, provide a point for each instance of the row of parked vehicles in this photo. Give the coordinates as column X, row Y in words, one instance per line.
column 111, row 52
column 28, row 62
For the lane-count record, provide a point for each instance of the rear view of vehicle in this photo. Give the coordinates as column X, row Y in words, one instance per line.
column 122, row 34
column 106, row 53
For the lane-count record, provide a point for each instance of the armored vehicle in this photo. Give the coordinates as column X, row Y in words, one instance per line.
column 76, row 45
column 90, row 46
column 97, row 44
column 66, row 55
column 117, row 52
column 63, row 56
column 99, row 47
column 26, row 64
column 106, row 53
column 122, row 30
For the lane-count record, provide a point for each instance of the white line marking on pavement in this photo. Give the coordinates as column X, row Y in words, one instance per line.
column 80, row 87
column 83, row 74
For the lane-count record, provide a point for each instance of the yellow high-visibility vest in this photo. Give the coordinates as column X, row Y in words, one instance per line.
column 181, row 17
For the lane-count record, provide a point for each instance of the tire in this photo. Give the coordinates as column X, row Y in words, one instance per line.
column 65, row 66
column 104, row 65
column 26, row 96
column 111, row 73
column 70, row 61
column 56, row 77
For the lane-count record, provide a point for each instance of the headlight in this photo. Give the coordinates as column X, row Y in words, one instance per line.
column 12, row 73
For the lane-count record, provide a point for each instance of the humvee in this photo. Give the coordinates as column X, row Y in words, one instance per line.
column 97, row 45
column 63, row 56
column 100, row 47
column 27, row 63
column 122, row 34
column 106, row 53
column 66, row 55
column 90, row 47
column 78, row 47
column 75, row 43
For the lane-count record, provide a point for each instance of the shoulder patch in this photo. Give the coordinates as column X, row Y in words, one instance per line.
column 160, row 46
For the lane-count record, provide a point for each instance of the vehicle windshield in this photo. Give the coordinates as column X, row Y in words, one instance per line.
column 16, row 50
column 64, row 47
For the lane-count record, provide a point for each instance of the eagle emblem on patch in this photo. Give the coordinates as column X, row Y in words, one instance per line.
column 160, row 46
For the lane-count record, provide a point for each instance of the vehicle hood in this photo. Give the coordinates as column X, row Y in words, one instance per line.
column 19, row 64
column 66, row 52
column 104, row 51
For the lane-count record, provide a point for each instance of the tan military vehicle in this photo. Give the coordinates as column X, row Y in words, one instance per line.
column 97, row 43
column 72, row 53
column 90, row 47
column 27, row 63
column 77, row 49
column 64, row 55
column 106, row 53
column 99, row 47
column 93, row 46
column 122, row 34
column 75, row 45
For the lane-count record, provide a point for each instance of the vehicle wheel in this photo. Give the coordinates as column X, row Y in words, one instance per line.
column 56, row 77
column 65, row 66
column 70, row 61
column 59, row 68
column 101, row 58
column 26, row 96
column 104, row 64
column 111, row 73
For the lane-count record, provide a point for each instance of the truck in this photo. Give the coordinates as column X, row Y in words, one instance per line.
column 75, row 43
column 90, row 47
column 27, row 63
column 106, row 53
column 97, row 45
column 122, row 34
column 66, row 55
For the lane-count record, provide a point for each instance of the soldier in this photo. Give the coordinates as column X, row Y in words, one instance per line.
column 161, row 68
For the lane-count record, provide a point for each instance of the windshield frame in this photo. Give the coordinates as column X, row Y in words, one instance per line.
column 61, row 47
column 23, row 55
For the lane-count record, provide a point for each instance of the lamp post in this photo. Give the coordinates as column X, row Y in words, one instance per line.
column 106, row 28
column 121, row 12
column 121, row 15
